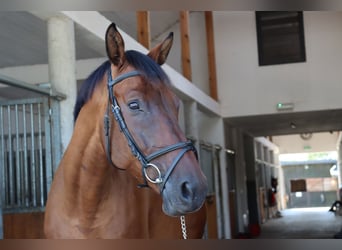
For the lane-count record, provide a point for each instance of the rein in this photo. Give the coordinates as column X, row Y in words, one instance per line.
column 145, row 161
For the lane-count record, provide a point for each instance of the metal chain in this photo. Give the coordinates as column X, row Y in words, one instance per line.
column 183, row 225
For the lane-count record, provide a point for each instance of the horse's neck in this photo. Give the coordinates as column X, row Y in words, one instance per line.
column 91, row 183
column 85, row 169
column 98, row 193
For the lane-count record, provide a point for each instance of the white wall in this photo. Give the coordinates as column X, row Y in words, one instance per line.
column 247, row 89
column 319, row 142
column 198, row 50
column 211, row 128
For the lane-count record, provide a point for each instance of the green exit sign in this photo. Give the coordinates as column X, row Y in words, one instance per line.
column 285, row 106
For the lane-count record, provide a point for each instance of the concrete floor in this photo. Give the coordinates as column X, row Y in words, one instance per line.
column 302, row 223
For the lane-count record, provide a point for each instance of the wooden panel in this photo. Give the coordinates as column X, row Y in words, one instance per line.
column 185, row 47
column 1, row 225
column 209, row 25
column 143, row 28
column 23, row 226
column 211, row 217
column 298, row 185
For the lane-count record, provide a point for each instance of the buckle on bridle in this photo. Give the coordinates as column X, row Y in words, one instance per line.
column 159, row 178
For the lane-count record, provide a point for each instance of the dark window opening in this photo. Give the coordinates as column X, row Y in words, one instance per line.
column 280, row 37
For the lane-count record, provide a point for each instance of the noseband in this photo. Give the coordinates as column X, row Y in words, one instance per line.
column 145, row 161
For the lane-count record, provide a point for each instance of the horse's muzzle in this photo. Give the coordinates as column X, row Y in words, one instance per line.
column 186, row 196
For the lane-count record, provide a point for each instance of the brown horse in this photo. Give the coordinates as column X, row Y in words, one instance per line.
column 126, row 134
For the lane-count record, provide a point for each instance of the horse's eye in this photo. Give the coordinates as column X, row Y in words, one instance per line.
column 134, row 105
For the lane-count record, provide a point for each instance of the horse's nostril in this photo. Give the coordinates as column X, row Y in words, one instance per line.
column 187, row 192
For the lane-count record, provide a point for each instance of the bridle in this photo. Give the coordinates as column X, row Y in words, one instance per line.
column 145, row 161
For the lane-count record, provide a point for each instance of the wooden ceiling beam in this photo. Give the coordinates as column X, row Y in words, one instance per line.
column 185, row 45
column 209, row 24
column 143, row 28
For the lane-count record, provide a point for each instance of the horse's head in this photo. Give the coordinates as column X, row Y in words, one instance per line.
column 146, row 114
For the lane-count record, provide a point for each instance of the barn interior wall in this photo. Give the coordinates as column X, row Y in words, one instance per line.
column 320, row 185
column 198, row 50
column 299, row 83
column 319, row 142
column 238, row 70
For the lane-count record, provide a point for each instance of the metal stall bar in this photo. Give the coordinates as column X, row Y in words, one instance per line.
column 2, row 158
column 40, row 166
column 33, row 160
column 17, row 157
column 26, row 175
column 10, row 160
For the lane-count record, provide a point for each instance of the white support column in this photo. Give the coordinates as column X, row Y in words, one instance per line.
column 191, row 123
column 62, row 70
column 222, row 197
column 224, row 184
column 339, row 164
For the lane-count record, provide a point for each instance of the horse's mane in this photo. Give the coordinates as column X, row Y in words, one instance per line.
column 148, row 67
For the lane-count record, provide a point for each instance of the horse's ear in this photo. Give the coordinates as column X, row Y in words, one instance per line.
column 160, row 52
column 115, row 46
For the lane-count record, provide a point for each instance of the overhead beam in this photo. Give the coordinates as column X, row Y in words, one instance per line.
column 97, row 24
column 37, row 74
column 185, row 45
column 23, row 85
column 143, row 28
column 209, row 25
